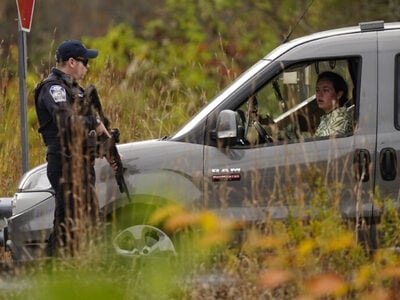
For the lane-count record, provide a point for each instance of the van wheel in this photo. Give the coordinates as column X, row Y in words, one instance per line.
column 143, row 240
column 131, row 235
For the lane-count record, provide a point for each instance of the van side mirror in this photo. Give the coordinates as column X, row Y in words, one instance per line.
column 227, row 128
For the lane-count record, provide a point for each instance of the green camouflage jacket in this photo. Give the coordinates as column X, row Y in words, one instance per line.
column 337, row 122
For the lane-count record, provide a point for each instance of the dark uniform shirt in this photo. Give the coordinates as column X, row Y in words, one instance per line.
column 54, row 100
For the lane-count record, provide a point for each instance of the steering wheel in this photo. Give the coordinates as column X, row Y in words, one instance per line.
column 263, row 134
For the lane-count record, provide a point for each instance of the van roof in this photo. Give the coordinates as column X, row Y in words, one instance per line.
column 362, row 27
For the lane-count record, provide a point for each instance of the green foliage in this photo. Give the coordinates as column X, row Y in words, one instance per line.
column 390, row 224
column 152, row 79
column 116, row 49
column 325, row 262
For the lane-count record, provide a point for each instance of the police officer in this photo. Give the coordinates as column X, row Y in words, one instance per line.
column 65, row 121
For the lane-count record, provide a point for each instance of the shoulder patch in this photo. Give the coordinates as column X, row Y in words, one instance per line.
column 58, row 93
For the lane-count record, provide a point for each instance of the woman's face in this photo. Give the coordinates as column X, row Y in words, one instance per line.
column 327, row 98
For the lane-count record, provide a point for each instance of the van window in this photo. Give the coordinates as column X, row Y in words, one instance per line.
column 286, row 109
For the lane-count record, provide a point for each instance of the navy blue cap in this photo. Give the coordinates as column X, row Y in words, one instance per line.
column 74, row 49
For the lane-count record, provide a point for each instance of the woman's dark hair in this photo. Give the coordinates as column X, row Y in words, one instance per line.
column 339, row 84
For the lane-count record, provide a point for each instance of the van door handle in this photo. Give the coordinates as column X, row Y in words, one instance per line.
column 388, row 163
column 362, row 159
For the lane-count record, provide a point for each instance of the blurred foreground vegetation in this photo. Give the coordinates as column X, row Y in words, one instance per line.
column 317, row 259
column 151, row 82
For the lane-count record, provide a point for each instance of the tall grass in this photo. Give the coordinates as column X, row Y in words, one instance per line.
column 325, row 263
column 291, row 259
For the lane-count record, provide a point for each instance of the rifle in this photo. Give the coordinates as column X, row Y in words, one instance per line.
column 107, row 146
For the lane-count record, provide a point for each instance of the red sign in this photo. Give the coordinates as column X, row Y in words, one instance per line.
column 25, row 12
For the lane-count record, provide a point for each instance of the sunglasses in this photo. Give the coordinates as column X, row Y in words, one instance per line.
column 83, row 60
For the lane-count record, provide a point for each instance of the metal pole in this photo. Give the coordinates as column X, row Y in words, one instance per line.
column 22, row 70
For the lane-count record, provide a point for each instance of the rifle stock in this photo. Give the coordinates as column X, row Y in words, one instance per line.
column 114, row 159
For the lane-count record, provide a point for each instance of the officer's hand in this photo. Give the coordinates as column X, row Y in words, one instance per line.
column 101, row 129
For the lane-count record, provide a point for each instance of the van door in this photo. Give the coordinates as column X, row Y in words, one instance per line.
column 255, row 180
column 388, row 138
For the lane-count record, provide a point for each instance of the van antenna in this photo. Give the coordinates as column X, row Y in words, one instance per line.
column 297, row 23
